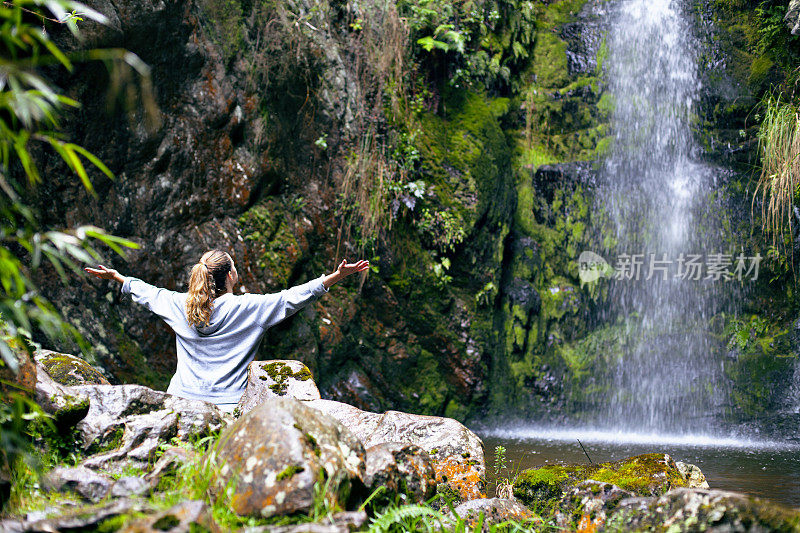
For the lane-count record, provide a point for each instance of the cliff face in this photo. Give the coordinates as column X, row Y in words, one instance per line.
column 294, row 134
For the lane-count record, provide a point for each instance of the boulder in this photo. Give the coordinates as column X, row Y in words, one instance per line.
column 274, row 379
column 185, row 517
column 494, row 511
column 702, row 510
column 130, row 486
column 588, row 504
column 129, row 422
column 172, row 459
column 80, row 519
column 68, row 370
column 86, row 483
column 65, row 405
column 273, row 456
column 643, row 475
column 342, row 522
column 457, row 452
column 404, row 470
column 695, row 479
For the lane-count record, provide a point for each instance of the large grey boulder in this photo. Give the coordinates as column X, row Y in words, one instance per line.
column 276, row 379
column 273, row 456
column 457, row 452
column 68, row 369
column 403, row 470
column 88, row 484
column 65, row 405
column 127, row 423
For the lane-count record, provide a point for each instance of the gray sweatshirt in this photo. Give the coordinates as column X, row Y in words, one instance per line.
column 213, row 359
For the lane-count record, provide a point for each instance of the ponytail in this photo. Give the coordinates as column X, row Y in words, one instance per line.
column 206, row 282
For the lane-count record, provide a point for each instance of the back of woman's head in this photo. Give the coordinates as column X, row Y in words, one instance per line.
column 206, row 282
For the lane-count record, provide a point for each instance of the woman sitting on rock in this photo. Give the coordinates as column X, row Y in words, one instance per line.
column 218, row 332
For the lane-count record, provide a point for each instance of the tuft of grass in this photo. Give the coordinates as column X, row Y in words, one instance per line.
column 779, row 145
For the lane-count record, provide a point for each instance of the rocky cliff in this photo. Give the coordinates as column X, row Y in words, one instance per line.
column 293, row 134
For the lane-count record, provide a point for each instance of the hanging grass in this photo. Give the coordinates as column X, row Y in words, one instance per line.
column 779, row 146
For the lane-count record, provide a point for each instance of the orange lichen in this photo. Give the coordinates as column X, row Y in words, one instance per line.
column 461, row 476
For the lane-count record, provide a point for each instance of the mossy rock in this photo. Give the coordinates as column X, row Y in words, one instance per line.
column 644, row 475
column 69, row 370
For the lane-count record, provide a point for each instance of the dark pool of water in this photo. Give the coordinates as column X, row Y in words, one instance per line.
column 768, row 470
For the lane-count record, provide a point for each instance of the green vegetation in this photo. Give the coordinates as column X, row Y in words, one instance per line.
column 779, row 146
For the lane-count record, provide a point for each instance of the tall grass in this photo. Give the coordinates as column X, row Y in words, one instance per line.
column 779, row 146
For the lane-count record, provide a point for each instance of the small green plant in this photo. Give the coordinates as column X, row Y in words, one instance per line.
column 779, row 144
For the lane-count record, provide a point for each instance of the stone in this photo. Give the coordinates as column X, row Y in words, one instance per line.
column 643, row 475
column 702, row 510
column 273, row 456
column 184, row 517
column 589, row 504
column 86, row 483
column 457, row 452
column 404, row 470
column 273, row 379
column 65, row 405
column 81, row 519
column 792, row 17
column 130, row 486
column 494, row 510
column 22, row 379
column 694, row 477
column 172, row 459
column 311, row 527
column 342, row 522
column 67, row 369
column 129, row 422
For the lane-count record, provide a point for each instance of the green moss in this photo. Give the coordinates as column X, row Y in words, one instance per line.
column 272, row 235
column 644, row 475
column 108, row 442
column 281, row 373
column 761, row 358
column 70, row 370
column 288, row 472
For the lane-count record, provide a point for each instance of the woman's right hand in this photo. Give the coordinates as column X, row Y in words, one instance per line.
column 103, row 272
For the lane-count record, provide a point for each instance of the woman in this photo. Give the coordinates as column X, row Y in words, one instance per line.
column 217, row 332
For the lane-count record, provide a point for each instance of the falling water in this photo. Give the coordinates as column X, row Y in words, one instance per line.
column 657, row 198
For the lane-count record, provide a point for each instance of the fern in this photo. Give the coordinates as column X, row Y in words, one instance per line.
column 398, row 515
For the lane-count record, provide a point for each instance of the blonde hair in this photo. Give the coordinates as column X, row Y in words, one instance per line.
column 206, row 282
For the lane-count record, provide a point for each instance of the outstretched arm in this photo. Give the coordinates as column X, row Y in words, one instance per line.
column 104, row 272
column 345, row 269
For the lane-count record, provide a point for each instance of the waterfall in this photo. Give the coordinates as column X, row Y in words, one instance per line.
column 656, row 199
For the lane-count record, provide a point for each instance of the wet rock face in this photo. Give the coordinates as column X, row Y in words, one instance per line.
column 275, row 454
column 494, row 510
column 69, row 370
column 404, row 470
column 457, row 452
column 702, row 510
column 276, row 379
column 584, row 37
